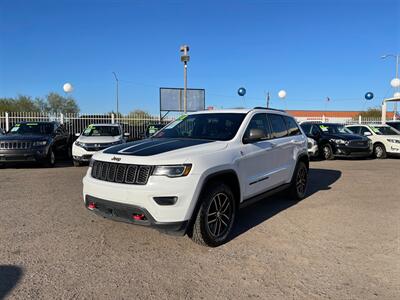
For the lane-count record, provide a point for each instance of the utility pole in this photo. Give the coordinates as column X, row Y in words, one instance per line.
column 185, row 58
column 116, row 79
column 268, row 98
column 396, row 56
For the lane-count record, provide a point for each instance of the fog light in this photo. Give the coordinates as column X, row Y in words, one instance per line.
column 91, row 205
column 138, row 217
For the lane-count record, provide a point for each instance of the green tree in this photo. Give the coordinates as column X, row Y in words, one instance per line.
column 56, row 103
column 372, row 112
column 19, row 104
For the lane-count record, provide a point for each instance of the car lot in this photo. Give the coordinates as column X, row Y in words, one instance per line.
column 341, row 242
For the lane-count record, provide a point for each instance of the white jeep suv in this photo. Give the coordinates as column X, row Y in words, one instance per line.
column 385, row 139
column 94, row 138
column 193, row 175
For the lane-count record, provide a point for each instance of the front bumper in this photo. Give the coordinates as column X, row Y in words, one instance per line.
column 126, row 213
column 81, row 155
column 313, row 151
column 23, row 155
column 346, row 151
column 185, row 189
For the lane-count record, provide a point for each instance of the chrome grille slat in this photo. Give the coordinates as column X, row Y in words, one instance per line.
column 15, row 145
column 121, row 173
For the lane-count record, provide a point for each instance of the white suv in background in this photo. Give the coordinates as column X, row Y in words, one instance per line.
column 94, row 138
column 193, row 175
column 385, row 139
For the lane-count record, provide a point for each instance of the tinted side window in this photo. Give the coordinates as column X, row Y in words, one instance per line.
column 292, row 127
column 315, row 130
column 259, row 121
column 364, row 130
column 354, row 129
column 306, row 128
column 278, row 126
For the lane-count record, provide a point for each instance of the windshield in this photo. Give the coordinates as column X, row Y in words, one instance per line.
column 208, row 126
column 32, row 129
column 384, row 130
column 334, row 129
column 93, row 130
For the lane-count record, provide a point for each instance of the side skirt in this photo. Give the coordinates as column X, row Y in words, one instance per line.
column 264, row 195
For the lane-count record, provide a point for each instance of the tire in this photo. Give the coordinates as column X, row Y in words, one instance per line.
column 298, row 186
column 380, row 151
column 50, row 160
column 77, row 163
column 327, row 152
column 215, row 217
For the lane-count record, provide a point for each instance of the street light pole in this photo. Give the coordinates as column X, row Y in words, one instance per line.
column 116, row 79
column 396, row 56
column 185, row 58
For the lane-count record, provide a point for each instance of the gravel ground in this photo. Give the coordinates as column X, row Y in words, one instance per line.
column 341, row 242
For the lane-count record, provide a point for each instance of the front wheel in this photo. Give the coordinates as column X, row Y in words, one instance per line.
column 380, row 151
column 216, row 216
column 50, row 160
column 327, row 152
column 298, row 187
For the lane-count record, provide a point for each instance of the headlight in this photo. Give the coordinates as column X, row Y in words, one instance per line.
column 394, row 141
column 339, row 141
column 79, row 144
column 39, row 143
column 172, row 170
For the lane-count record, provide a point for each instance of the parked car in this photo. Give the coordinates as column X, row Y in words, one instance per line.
column 335, row 140
column 385, row 139
column 394, row 124
column 94, row 138
column 35, row 141
column 193, row 175
column 312, row 146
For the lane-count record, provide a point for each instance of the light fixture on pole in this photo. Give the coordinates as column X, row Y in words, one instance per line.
column 117, row 81
column 185, row 58
column 395, row 82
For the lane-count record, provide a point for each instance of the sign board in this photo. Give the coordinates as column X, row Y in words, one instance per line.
column 171, row 99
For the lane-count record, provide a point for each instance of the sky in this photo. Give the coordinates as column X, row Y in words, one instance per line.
column 311, row 49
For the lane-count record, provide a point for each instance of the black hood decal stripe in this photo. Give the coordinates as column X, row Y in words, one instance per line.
column 153, row 146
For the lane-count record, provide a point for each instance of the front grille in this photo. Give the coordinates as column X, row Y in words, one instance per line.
column 121, row 173
column 96, row 147
column 15, row 145
column 358, row 144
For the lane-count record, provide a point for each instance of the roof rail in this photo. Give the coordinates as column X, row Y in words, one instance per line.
column 261, row 107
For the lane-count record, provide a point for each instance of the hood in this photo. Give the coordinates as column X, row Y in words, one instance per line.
column 18, row 137
column 150, row 147
column 99, row 139
column 345, row 137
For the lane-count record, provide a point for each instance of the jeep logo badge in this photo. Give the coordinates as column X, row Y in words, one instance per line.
column 116, row 158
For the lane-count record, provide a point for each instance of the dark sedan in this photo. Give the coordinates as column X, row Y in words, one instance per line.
column 34, row 141
column 334, row 140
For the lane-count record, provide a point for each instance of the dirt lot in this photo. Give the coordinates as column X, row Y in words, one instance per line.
column 341, row 242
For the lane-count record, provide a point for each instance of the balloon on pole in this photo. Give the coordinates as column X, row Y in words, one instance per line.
column 369, row 96
column 395, row 82
column 68, row 88
column 282, row 94
column 241, row 91
column 396, row 95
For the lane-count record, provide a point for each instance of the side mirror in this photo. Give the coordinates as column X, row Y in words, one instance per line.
column 126, row 134
column 367, row 133
column 77, row 134
column 255, row 135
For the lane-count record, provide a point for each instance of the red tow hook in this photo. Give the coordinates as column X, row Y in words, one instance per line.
column 91, row 205
column 138, row 217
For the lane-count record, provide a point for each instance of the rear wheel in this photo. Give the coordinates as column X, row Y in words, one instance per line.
column 216, row 216
column 298, row 187
column 380, row 151
column 327, row 152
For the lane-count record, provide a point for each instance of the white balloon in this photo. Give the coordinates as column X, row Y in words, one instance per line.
column 68, row 88
column 282, row 94
column 395, row 82
column 396, row 95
